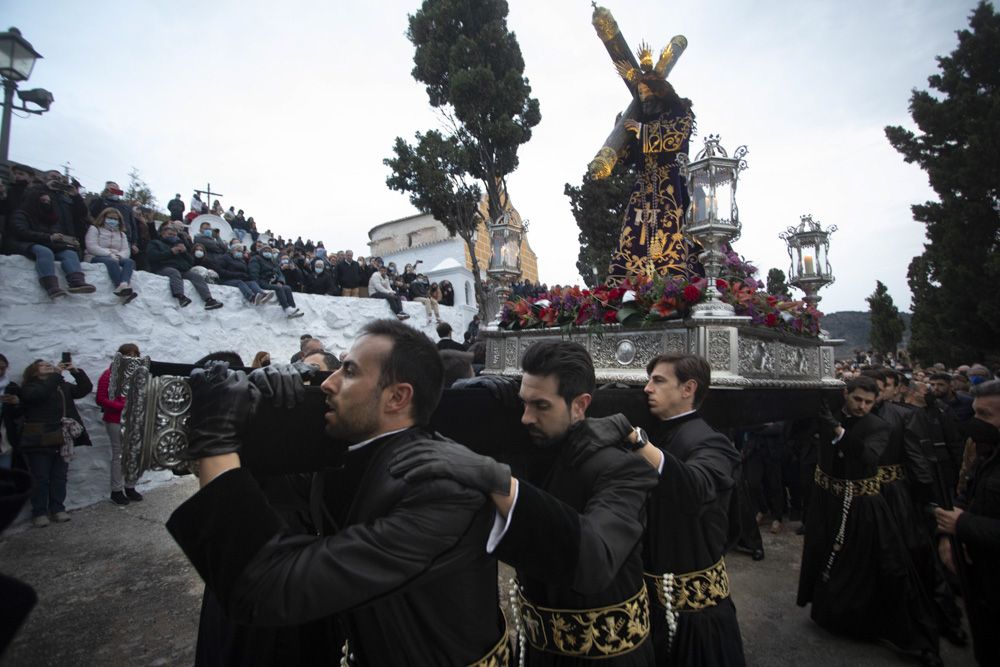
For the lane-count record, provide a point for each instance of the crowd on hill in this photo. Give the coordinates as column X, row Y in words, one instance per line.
column 49, row 220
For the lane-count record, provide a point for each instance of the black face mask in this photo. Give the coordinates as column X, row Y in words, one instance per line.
column 45, row 206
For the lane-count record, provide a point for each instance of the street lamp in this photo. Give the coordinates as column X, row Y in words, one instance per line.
column 17, row 60
column 808, row 248
column 713, row 219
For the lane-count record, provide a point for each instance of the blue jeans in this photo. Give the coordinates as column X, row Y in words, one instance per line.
column 247, row 288
column 48, row 472
column 120, row 270
column 240, row 234
column 283, row 292
column 45, row 264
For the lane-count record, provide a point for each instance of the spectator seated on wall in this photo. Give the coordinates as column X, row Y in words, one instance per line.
column 168, row 256
column 234, row 271
column 265, row 272
column 43, row 231
column 107, row 244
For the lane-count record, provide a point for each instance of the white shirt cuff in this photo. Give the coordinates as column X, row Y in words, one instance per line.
column 500, row 526
column 663, row 460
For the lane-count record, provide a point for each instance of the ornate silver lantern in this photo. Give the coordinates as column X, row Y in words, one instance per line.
column 808, row 248
column 505, row 254
column 713, row 218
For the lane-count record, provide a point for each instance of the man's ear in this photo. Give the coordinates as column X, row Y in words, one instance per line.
column 578, row 407
column 400, row 397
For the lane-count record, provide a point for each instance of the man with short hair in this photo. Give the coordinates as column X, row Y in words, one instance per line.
column 206, row 238
column 688, row 526
column 379, row 287
column 446, row 343
column 855, row 568
column 176, row 207
column 168, row 256
column 975, row 525
column 348, row 275
column 960, row 404
column 400, row 565
column 573, row 531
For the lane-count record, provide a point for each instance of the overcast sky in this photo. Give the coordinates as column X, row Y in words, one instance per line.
column 288, row 109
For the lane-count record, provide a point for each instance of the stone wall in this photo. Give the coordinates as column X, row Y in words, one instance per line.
column 92, row 326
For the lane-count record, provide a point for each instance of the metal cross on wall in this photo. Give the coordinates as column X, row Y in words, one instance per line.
column 208, row 193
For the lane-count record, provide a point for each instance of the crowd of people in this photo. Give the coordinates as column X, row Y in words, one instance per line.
column 49, row 220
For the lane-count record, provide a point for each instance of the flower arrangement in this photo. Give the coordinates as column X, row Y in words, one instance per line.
column 643, row 300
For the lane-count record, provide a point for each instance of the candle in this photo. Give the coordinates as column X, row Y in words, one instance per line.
column 809, row 265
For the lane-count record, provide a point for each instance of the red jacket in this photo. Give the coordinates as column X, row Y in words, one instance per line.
column 112, row 407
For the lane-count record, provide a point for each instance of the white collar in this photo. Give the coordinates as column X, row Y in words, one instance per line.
column 683, row 414
column 354, row 448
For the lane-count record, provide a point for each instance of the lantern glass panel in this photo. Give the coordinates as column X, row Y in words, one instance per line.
column 724, row 182
column 16, row 59
column 821, row 259
column 701, row 195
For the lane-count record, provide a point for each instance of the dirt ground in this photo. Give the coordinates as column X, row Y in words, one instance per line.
column 114, row 589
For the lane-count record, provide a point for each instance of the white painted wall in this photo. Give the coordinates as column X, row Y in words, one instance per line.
column 92, row 326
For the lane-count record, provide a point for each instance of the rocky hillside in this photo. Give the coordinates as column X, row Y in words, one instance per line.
column 853, row 326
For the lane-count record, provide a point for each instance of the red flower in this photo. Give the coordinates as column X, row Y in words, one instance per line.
column 771, row 320
column 771, row 300
column 610, row 316
column 691, row 294
column 548, row 316
column 721, row 284
column 664, row 307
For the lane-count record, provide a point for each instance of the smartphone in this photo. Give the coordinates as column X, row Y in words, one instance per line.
column 67, row 358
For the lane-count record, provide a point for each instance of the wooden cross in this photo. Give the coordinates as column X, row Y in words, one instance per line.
column 629, row 70
column 208, row 193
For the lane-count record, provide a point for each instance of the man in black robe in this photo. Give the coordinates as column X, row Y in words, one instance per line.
column 406, row 572
column 856, row 571
column 974, row 527
column 573, row 528
column 694, row 619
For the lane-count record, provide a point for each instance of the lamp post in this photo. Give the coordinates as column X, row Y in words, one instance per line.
column 505, row 255
column 17, row 60
column 713, row 219
column 808, row 249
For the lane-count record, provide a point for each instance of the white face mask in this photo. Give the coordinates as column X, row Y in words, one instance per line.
column 318, row 269
column 199, row 254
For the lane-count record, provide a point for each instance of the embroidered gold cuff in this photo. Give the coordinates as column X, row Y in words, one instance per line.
column 859, row 487
column 692, row 591
column 588, row 633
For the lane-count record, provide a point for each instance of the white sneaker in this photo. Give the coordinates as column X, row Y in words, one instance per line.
column 265, row 296
column 293, row 313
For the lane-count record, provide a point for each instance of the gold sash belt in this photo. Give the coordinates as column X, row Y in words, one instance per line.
column 859, row 487
column 692, row 591
column 891, row 473
column 499, row 655
column 588, row 633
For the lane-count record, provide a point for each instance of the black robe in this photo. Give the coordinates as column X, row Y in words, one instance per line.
column 408, row 573
column 872, row 591
column 688, row 530
column 575, row 538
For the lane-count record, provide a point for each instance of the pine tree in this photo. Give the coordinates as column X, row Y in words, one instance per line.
column 598, row 206
column 776, row 284
column 956, row 305
column 139, row 191
column 473, row 71
column 887, row 324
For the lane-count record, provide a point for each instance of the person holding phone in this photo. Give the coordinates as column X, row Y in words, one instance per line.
column 47, row 404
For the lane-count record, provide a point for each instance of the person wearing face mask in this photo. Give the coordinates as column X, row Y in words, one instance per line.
column 40, row 232
column 265, row 272
column 106, row 244
column 234, row 272
column 168, row 256
column 112, row 197
column 206, row 237
column 321, row 279
column 293, row 274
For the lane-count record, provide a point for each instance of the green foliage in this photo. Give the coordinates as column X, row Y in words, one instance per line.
column 956, row 306
column 434, row 174
column 598, row 206
column 472, row 68
column 887, row 324
column 776, row 284
column 139, row 191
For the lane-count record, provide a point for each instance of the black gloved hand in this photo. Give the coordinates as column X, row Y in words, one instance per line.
column 502, row 388
column 825, row 416
column 601, row 431
column 283, row 384
column 443, row 459
column 222, row 402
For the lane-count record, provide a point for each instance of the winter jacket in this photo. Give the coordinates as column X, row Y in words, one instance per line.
column 264, row 271
column 232, row 268
column 160, row 257
column 103, row 242
column 111, row 406
column 29, row 227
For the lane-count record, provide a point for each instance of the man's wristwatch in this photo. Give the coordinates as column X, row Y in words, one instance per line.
column 641, row 439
